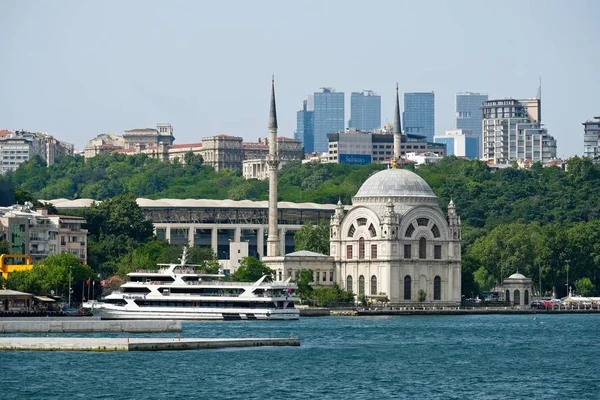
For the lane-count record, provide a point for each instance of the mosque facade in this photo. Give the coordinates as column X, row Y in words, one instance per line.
column 392, row 244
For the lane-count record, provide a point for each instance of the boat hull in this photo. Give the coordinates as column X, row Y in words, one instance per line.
column 113, row 312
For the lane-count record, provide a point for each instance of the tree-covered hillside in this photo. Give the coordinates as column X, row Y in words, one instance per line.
column 539, row 220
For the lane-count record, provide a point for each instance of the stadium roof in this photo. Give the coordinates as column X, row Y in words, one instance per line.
column 65, row 204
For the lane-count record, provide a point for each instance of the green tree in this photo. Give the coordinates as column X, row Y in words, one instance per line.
column 3, row 246
column 305, row 278
column 313, row 238
column 483, row 279
column 421, row 295
column 585, row 287
column 252, row 269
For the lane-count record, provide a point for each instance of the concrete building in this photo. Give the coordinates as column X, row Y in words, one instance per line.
column 16, row 147
column 148, row 137
column 469, row 113
column 460, row 143
column 419, row 114
column 512, row 131
column 591, row 139
column 356, row 147
column 103, row 143
column 365, row 111
column 421, row 158
column 37, row 234
column 217, row 223
column 328, row 116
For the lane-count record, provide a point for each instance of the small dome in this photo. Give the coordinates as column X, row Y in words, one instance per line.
column 517, row 276
column 395, row 183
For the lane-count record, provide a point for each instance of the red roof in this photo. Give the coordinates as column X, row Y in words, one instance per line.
column 4, row 132
column 183, row 146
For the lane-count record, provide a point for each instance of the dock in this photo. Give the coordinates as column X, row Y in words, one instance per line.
column 134, row 344
column 91, row 325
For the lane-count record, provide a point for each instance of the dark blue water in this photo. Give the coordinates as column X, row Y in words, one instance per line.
column 437, row 357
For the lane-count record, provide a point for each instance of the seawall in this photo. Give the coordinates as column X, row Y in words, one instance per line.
column 80, row 325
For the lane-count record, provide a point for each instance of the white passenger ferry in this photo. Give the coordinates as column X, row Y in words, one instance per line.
column 180, row 291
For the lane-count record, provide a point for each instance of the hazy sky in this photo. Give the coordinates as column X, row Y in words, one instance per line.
column 76, row 69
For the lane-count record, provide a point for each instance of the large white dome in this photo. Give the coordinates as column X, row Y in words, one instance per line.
column 394, row 183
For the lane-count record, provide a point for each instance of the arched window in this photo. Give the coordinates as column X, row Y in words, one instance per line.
column 349, row 283
column 372, row 231
column 351, row 231
column 526, row 297
column 507, row 298
column 517, row 298
column 422, row 248
column 407, row 287
column 436, row 231
column 373, row 285
column 361, row 248
column 361, row 285
column 409, row 231
column 437, row 288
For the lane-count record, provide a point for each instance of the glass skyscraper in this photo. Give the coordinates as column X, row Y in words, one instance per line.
column 419, row 114
column 304, row 127
column 469, row 115
column 365, row 111
column 328, row 117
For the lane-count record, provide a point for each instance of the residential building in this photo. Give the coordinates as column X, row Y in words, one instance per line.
column 328, row 116
column 365, row 111
column 591, row 139
column 357, row 147
column 419, row 114
column 460, row 143
column 37, row 234
column 469, row 113
column 70, row 236
column 512, row 131
column 305, row 125
column 16, row 147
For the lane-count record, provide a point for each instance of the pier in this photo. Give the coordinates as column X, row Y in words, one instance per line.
column 86, row 325
column 134, row 344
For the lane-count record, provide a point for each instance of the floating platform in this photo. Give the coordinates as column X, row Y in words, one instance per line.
column 133, row 344
column 79, row 325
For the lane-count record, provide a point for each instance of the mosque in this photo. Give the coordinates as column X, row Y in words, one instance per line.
column 392, row 243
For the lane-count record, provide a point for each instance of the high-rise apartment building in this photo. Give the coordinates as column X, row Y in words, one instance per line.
column 419, row 114
column 469, row 113
column 16, row 147
column 304, row 126
column 512, row 131
column 365, row 111
column 328, row 117
column 591, row 139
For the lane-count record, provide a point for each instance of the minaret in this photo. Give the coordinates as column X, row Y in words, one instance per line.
column 273, row 244
column 398, row 137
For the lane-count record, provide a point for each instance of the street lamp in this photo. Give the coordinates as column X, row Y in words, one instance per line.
column 568, row 261
column 70, row 286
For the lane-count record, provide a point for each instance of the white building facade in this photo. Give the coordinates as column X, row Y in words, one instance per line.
column 395, row 241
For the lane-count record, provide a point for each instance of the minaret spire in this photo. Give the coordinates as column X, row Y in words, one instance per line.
column 398, row 137
column 273, row 111
column 273, row 244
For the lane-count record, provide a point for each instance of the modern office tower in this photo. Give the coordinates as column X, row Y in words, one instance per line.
column 460, row 143
column 591, row 139
column 304, row 126
column 419, row 114
column 512, row 131
column 328, row 117
column 365, row 111
column 469, row 113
